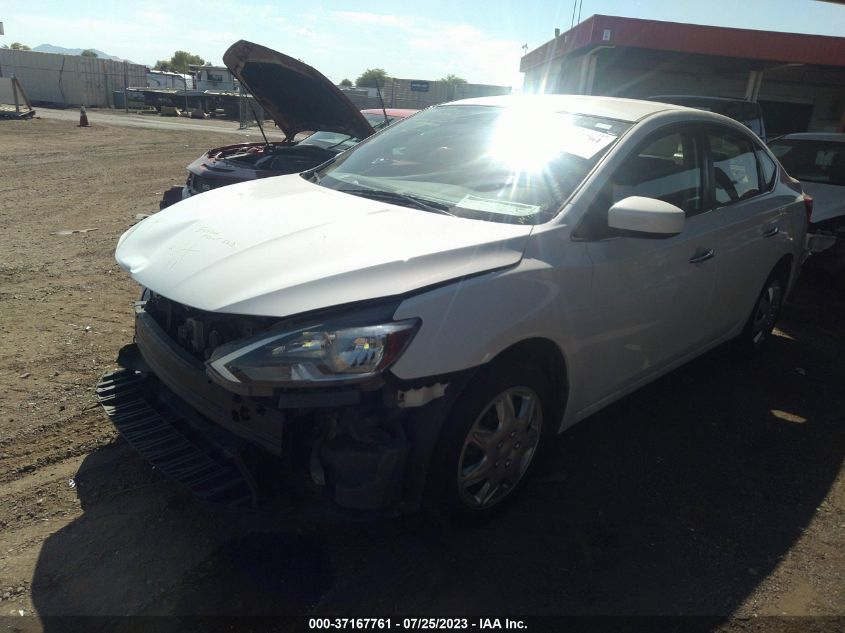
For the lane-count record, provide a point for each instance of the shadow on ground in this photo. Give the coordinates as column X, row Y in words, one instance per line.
column 676, row 500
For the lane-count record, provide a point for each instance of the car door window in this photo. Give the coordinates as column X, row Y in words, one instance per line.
column 735, row 175
column 666, row 167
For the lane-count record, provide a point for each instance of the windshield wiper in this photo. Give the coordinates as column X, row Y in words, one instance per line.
column 403, row 199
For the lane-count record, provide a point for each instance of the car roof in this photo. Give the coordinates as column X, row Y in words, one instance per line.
column 836, row 137
column 630, row 110
column 701, row 99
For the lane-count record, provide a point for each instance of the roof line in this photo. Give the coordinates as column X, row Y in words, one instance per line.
column 774, row 46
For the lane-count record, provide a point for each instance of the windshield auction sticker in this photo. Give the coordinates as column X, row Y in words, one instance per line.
column 583, row 142
column 501, row 207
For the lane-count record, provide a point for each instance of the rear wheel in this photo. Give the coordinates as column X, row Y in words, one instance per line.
column 490, row 440
column 762, row 320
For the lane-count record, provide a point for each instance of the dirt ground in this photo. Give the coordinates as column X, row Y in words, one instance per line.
column 716, row 491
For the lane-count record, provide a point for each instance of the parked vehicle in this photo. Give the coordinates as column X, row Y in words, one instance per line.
column 413, row 321
column 300, row 100
column 227, row 165
column 748, row 113
column 817, row 160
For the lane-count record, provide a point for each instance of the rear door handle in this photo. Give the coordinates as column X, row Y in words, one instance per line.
column 771, row 232
column 702, row 257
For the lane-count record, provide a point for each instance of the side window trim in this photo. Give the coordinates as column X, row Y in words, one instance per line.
column 709, row 168
column 706, row 167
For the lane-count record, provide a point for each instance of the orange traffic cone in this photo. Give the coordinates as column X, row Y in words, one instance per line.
column 83, row 118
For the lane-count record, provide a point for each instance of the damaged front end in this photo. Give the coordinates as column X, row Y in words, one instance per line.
column 247, row 161
column 250, row 411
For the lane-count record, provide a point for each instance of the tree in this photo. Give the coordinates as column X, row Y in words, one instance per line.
column 346, row 83
column 17, row 46
column 372, row 78
column 179, row 62
column 453, row 80
column 89, row 52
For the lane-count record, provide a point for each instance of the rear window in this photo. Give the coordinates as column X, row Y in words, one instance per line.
column 813, row 161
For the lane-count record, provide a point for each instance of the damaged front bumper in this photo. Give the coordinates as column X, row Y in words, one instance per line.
column 364, row 452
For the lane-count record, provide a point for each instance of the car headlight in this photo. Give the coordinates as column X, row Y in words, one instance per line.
column 317, row 354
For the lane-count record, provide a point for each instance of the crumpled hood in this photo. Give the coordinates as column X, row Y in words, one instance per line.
column 281, row 246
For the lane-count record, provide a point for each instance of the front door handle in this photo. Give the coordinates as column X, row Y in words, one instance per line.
column 771, row 232
column 702, row 257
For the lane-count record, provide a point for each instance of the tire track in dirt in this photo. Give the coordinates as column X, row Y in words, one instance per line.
column 54, row 442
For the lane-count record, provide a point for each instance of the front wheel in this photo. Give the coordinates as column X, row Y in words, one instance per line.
column 490, row 440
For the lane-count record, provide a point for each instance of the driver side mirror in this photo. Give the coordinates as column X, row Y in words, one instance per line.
column 648, row 216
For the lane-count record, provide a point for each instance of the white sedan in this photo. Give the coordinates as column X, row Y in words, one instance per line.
column 411, row 322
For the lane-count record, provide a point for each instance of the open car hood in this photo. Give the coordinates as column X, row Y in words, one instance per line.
column 298, row 97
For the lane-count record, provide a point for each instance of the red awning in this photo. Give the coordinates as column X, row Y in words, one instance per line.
column 771, row 46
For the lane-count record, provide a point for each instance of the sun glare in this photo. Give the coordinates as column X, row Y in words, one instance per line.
column 525, row 139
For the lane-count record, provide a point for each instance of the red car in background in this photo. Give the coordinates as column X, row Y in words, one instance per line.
column 300, row 100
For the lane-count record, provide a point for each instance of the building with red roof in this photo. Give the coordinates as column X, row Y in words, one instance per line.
column 799, row 80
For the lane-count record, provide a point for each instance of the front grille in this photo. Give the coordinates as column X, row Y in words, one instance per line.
column 155, row 433
column 199, row 184
column 199, row 332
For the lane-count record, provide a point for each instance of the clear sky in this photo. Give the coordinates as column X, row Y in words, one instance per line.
column 426, row 39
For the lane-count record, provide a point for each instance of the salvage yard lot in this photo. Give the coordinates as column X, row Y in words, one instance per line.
column 718, row 490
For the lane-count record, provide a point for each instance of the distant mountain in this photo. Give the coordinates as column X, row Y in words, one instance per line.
column 61, row 50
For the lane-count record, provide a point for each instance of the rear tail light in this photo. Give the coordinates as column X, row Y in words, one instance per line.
column 808, row 206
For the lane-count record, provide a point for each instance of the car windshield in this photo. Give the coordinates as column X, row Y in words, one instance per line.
column 330, row 140
column 515, row 165
column 813, row 161
column 341, row 141
column 377, row 120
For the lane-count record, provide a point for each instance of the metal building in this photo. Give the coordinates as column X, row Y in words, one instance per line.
column 420, row 93
column 799, row 80
column 70, row 80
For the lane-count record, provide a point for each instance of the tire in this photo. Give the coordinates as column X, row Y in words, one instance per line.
column 170, row 197
column 492, row 436
column 761, row 321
